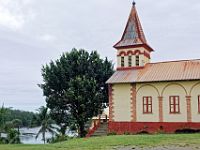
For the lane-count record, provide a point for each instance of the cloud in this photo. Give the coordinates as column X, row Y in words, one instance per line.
column 32, row 32
column 47, row 37
column 14, row 14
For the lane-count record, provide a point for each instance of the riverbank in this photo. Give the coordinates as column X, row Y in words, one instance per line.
column 125, row 142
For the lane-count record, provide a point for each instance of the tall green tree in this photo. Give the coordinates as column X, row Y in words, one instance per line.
column 46, row 123
column 73, row 67
column 84, row 100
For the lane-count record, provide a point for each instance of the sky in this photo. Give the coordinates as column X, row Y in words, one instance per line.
column 33, row 32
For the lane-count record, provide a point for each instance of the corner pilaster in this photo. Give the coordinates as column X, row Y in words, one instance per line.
column 111, row 104
column 133, row 103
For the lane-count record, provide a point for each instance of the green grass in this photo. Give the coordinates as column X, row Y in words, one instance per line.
column 107, row 143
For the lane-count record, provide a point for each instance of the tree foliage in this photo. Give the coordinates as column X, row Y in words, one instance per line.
column 3, row 116
column 8, row 127
column 75, row 87
column 24, row 116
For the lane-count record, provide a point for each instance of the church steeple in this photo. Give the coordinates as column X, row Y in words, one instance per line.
column 134, row 40
column 133, row 2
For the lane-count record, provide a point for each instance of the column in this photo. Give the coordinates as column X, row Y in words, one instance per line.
column 189, row 113
column 160, row 100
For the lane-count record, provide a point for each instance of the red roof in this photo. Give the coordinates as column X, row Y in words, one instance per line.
column 133, row 34
column 159, row 72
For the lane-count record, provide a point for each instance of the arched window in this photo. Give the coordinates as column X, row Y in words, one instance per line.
column 130, row 61
column 137, row 60
column 122, row 61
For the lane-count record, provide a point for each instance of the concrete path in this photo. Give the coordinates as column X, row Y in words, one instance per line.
column 184, row 147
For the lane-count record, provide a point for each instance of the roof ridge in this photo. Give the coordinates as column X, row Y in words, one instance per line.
column 174, row 61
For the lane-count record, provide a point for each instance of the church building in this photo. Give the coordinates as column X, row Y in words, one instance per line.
column 151, row 97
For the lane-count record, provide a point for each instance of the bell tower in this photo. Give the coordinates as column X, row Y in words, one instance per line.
column 133, row 52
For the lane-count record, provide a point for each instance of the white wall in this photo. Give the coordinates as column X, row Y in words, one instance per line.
column 147, row 91
column 122, row 102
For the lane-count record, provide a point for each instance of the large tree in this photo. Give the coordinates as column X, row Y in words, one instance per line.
column 75, row 88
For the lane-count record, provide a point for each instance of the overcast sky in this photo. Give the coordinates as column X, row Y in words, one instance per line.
column 33, row 32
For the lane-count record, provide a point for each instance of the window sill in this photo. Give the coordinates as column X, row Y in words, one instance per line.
column 147, row 113
column 174, row 113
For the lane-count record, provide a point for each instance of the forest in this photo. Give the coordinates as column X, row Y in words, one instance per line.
column 24, row 116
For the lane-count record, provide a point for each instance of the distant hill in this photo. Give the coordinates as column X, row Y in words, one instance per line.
column 24, row 116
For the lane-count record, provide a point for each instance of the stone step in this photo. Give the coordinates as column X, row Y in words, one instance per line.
column 101, row 131
column 103, row 128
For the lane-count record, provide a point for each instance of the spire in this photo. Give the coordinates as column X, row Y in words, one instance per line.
column 133, row 34
column 133, row 2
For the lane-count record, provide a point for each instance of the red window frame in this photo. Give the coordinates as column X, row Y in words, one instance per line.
column 174, row 104
column 147, row 105
column 199, row 103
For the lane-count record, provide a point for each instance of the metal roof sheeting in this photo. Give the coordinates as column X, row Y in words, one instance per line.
column 158, row 72
column 133, row 33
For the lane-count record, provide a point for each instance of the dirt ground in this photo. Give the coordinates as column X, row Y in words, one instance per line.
column 180, row 147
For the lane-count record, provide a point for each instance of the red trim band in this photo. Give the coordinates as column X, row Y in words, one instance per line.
column 150, row 127
column 128, row 68
column 123, row 53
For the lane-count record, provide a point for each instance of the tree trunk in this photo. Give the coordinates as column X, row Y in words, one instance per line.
column 82, row 132
column 63, row 129
column 43, row 136
column 18, row 129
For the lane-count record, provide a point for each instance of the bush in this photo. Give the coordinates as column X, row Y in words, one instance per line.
column 127, row 133
column 58, row 138
column 184, row 131
column 4, row 140
column 112, row 133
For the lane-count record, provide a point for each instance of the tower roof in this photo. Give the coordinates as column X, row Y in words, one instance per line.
column 133, row 34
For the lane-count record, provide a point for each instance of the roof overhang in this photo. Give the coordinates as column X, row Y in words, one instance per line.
column 146, row 46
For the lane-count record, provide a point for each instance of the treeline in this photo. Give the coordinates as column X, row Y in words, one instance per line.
column 10, row 123
column 25, row 117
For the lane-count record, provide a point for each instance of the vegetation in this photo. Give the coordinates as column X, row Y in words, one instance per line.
column 13, row 136
column 74, row 83
column 7, row 114
column 109, row 142
column 11, row 121
column 8, row 128
column 45, row 122
column 3, row 113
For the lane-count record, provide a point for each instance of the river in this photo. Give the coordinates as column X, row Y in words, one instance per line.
column 27, row 135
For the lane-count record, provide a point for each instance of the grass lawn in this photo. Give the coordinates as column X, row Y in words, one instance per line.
column 107, row 143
